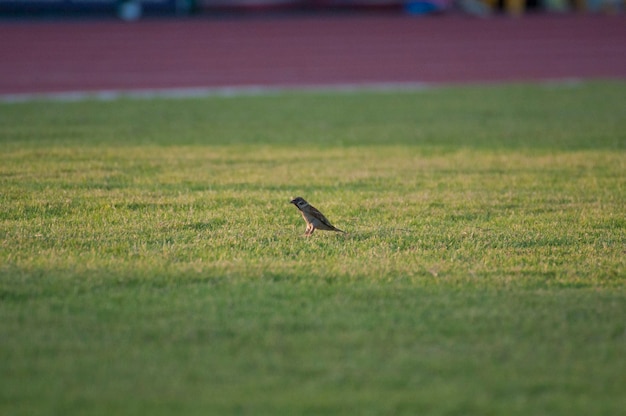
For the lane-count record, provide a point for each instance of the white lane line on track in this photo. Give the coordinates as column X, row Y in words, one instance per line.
column 251, row 90
column 200, row 92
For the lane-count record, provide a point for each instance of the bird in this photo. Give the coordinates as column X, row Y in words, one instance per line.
column 314, row 219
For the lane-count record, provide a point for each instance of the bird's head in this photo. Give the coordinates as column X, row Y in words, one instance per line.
column 299, row 202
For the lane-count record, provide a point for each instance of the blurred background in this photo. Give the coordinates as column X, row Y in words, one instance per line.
column 105, row 46
column 131, row 10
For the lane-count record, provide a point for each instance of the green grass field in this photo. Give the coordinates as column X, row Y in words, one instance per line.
column 150, row 261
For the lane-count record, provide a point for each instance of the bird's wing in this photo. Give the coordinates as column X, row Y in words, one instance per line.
column 315, row 212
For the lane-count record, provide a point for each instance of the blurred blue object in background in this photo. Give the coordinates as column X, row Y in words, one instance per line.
column 421, row 7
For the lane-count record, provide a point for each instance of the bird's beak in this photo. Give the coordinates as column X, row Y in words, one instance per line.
column 293, row 201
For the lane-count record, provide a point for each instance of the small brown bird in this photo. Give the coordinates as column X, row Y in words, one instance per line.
column 314, row 219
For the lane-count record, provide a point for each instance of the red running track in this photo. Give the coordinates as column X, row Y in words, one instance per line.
column 40, row 57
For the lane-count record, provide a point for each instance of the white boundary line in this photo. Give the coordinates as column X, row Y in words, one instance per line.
column 201, row 92
column 253, row 90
